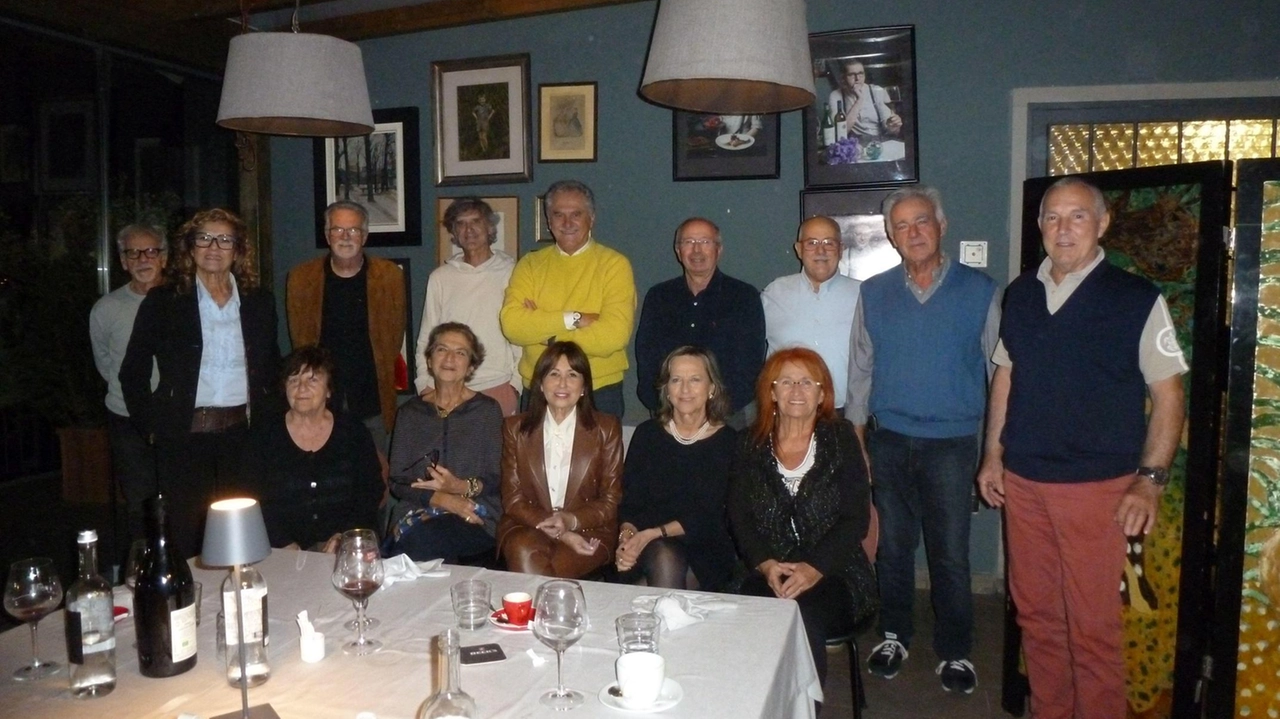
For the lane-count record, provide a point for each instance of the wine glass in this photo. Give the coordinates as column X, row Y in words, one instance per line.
column 134, row 560
column 32, row 591
column 358, row 574
column 364, row 620
column 559, row 620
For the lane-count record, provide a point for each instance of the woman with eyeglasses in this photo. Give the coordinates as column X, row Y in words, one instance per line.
column 211, row 333
column 800, row 503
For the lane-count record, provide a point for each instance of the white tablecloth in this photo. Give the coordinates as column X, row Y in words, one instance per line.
column 750, row 661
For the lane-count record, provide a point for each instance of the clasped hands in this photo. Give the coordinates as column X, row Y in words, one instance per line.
column 789, row 580
column 449, row 493
column 557, row 527
column 631, row 542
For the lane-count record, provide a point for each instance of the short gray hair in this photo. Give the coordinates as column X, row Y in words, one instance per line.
column 470, row 204
column 137, row 229
column 569, row 186
column 1099, row 202
column 355, row 207
column 915, row 192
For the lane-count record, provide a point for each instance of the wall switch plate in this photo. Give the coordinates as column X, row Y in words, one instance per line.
column 973, row 254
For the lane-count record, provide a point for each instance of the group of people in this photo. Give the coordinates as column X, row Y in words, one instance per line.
column 779, row 419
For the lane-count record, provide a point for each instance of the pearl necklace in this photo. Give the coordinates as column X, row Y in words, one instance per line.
column 702, row 432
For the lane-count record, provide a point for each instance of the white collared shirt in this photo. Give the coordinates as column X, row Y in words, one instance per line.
column 557, row 453
column 224, row 377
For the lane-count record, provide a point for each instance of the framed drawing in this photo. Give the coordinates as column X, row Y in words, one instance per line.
column 541, row 232
column 861, row 129
column 567, row 122
column 68, row 154
column 405, row 364
column 724, row 147
column 482, row 120
column 380, row 171
column 865, row 247
column 508, row 211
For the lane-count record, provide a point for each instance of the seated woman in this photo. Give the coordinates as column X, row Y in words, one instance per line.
column 561, row 473
column 799, row 501
column 315, row 471
column 445, row 457
column 673, row 532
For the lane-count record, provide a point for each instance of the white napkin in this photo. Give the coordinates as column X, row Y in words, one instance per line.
column 680, row 609
column 402, row 569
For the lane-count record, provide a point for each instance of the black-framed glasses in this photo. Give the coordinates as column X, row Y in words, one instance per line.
column 149, row 252
column 350, row 233
column 225, row 242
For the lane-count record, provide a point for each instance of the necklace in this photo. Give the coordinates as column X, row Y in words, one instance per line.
column 702, row 432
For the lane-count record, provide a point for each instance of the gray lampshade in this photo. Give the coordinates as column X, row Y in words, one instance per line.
column 735, row 57
column 234, row 533
column 285, row 83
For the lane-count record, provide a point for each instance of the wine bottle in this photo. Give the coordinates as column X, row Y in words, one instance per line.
column 842, row 123
column 450, row 702
column 253, row 592
column 164, row 602
column 828, row 127
column 90, row 626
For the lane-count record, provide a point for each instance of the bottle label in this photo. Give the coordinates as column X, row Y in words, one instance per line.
column 75, row 655
column 182, row 633
column 255, row 606
column 89, row 628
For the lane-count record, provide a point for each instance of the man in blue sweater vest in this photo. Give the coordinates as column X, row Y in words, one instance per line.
column 918, row 372
column 1070, row 454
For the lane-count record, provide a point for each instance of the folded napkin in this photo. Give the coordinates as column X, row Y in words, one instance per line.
column 402, row 569
column 680, row 609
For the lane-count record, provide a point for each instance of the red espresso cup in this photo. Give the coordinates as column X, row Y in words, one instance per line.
column 518, row 606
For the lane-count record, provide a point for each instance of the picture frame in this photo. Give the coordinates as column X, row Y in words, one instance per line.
column 68, row 146
column 482, row 124
column 406, row 364
column 724, row 147
column 567, row 118
column 881, row 143
column 381, row 170
column 865, row 247
column 507, row 209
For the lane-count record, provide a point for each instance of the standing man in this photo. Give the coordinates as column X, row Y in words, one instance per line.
column 1070, row 454
column 468, row 288
column 814, row 308
column 704, row 307
column 918, row 373
column 578, row 291
column 143, row 253
column 353, row 304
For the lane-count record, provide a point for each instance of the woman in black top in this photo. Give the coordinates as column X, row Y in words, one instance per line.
column 673, row 531
column 445, row 457
column 315, row 472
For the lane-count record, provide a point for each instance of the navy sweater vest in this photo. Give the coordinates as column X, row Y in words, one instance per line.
column 930, row 376
column 1076, row 409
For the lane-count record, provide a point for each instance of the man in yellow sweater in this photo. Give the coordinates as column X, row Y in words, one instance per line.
column 579, row 291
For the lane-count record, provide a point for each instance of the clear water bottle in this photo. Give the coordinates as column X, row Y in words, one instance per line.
column 90, row 627
column 253, row 592
column 450, row 702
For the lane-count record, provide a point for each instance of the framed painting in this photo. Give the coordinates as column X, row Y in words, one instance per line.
column 380, row 171
column 567, row 115
column 482, row 121
column 405, row 364
column 861, row 129
column 724, row 147
column 506, row 208
column 865, row 247
column 541, row 232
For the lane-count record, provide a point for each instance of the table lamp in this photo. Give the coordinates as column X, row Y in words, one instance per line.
column 235, row 535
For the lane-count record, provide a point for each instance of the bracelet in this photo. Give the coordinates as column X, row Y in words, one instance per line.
column 474, row 487
column 662, row 529
column 576, row 523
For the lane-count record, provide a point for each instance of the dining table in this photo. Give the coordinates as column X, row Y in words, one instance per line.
column 747, row 658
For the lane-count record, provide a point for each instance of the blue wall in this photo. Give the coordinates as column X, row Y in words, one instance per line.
column 970, row 56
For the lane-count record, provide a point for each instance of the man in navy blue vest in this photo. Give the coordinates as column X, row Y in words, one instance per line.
column 918, row 372
column 1070, row 453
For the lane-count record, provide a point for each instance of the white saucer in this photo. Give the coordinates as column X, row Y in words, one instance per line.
column 670, row 696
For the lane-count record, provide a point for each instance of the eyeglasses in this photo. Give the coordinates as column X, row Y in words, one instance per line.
column 690, row 243
column 149, row 252
column 826, row 244
column 225, row 242
column 351, row 233
column 805, row 385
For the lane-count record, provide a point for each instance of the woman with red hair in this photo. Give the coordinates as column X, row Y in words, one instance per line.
column 799, row 501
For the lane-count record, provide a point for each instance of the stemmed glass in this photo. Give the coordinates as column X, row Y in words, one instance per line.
column 358, row 574
column 131, row 563
column 559, row 620
column 366, row 621
column 32, row 591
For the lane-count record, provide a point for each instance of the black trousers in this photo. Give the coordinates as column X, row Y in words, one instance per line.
column 827, row 611
column 197, row 468
column 133, row 463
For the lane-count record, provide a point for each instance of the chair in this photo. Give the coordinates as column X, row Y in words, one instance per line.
column 850, row 640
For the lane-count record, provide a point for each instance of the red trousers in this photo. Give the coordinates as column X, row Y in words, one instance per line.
column 1066, row 560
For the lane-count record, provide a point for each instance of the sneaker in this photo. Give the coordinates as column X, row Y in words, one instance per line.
column 958, row 675
column 886, row 659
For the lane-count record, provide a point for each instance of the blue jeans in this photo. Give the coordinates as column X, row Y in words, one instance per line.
column 925, row 484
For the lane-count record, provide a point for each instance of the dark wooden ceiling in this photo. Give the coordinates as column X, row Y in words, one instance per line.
column 196, row 32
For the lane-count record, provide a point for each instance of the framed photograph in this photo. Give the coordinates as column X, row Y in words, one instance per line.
column 508, row 211
column 866, row 247
column 724, row 147
column 567, row 122
column 482, row 120
column 380, row 171
column 68, row 147
column 405, row 364
column 861, row 129
column 541, row 233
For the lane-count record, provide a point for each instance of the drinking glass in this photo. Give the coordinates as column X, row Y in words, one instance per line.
column 559, row 620
column 362, row 620
column 358, row 574
column 32, row 591
column 133, row 561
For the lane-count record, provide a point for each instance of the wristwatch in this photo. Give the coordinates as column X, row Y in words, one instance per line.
column 1159, row 476
column 577, row 317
